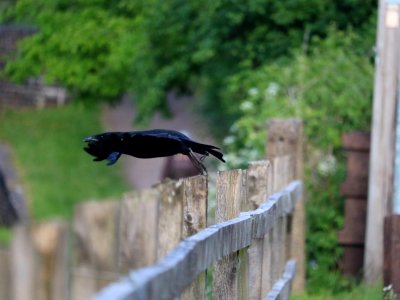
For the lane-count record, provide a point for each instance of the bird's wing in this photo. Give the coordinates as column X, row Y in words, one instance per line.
column 161, row 134
column 168, row 138
column 151, row 143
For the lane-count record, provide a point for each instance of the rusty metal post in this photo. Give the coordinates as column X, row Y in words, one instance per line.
column 355, row 190
column 391, row 259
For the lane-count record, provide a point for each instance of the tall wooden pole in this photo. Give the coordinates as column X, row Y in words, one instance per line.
column 383, row 136
column 286, row 137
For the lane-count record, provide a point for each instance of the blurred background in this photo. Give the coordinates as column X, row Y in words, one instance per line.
column 217, row 70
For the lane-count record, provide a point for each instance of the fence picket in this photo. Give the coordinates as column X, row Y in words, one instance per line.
column 285, row 137
column 259, row 187
column 23, row 264
column 51, row 240
column 138, row 230
column 95, row 263
column 231, row 197
column 5, row 271
column 170, row 216
column 195, row 220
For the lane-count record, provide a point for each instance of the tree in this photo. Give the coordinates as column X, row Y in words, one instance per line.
column 101, row 49
column 330, row 88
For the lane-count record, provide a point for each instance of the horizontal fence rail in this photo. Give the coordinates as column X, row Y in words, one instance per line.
column 281, row 289
column 169, row 277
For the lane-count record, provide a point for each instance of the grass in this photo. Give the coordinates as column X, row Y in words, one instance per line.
column 360, row 292
column 55, row 171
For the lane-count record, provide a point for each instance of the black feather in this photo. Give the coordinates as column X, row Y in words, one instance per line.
column 147, row 144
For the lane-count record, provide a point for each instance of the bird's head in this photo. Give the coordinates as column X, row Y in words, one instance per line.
column 91, row 139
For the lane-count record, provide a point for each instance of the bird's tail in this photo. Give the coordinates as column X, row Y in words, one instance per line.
column 205, row 149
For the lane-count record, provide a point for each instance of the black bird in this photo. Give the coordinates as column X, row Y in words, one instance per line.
column 148, row 144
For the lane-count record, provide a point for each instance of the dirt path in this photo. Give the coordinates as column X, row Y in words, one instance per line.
column 142, row 173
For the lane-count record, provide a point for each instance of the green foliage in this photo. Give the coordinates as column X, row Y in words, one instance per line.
column 360, row 292
column 5, row 236
column 330, row 88
column 102, row 48
column 80, row 44
column 48, row 148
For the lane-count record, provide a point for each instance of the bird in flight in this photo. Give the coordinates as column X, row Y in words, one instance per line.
column 148, row 144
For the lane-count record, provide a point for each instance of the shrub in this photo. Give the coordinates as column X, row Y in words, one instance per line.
column 331, row 90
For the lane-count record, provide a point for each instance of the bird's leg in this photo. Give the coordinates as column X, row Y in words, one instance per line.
column 203, row 157
column 197, row 163
column 112, row 158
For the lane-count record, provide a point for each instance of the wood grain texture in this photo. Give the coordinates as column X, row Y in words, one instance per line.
column 380, row 189
column 195, row 220
column 168, row 278
column 259, row 182
column 194, row 205
column 138, row 224
column 95, row 256
column 259, row 187
column 281, row 289
column 230, row 200
column 5, row 273
column 286, row 138
column 267, row 270
column 51, row 241
column 170, row 216
column 277, row 205
column 276, row 255
column 391, row 269
column 23, row 264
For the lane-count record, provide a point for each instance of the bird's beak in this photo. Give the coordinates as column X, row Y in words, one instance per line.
column 90, row 139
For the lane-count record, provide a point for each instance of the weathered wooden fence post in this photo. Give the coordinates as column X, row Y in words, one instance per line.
column 194, row 220
column 285, row 137
column 259, row 187
column 137, row 234
column 182, row 213
column 154, row 221
column 5, row 273
column 170, row 216
column 23, row 262
column 391, row 266
column 230, row 201
column 51, row 241
column 95, row 254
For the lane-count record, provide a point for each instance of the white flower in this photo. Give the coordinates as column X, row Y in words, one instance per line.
column 234, row 127
column 246, row 106
column 272, row 90
column 253, row 92
column 229, row 140
column 387, row 288
column 327, row 165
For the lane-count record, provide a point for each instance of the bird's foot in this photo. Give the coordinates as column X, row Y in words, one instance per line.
column 112, row 158
column 202, row 158
column 197, row 163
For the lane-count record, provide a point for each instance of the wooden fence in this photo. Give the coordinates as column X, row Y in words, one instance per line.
column 251, row 252
column 228, row 246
